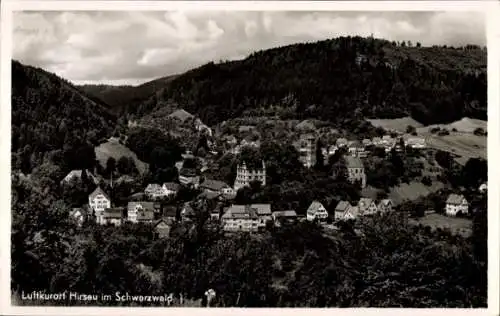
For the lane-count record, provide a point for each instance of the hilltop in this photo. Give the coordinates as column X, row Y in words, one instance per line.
column 336, row 79
column 52, row 119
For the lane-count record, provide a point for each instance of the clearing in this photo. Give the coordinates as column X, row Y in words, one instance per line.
column 398, row 125
column 412, row 191
column 116, row 150
column 465, row 145
column 465, row 125
column 456, row 225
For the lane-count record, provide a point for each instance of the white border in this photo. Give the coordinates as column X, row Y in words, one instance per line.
column 490, row 8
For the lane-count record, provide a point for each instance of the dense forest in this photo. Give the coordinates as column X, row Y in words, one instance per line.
column 53, row 120
column 335, row 79
column 121, row 99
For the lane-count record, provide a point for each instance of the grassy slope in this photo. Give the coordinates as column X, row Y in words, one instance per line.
column 117, row 150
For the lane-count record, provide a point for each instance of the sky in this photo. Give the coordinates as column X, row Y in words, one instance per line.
column 130, row 47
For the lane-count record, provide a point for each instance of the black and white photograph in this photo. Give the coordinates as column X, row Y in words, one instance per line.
column 242, row 158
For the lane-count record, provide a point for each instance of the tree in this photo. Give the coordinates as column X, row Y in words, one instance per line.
column 111, row 165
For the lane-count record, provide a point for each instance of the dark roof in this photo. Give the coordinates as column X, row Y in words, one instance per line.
column 145, row 206
column 170, row 211
column 209, row 195
column 455, row 199
column 98, row 191
column 114, row 212
column 289, row 213
column 188, row 172
column 261, row 209
column 214, row 185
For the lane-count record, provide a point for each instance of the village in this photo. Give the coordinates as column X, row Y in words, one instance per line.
column 152, row 206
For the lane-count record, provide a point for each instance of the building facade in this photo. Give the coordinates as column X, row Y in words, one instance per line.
column 307, row 150
column 455, row 204
column 245, row 175
column 98, row 202
column 355, row 170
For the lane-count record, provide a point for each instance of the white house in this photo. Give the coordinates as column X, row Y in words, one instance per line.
column 456, row 203
column 135, row 209
column 316, row 211
column 367, row 206
column 154, row 191
column 170, row 188
column 98, row 202
column 385, row 206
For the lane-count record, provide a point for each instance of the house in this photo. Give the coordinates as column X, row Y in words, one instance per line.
column 356, row 149
column 79, row 215
column 351, row 213
column 385, row 206
column 367, row 142
column 307, row 150
column 145, row 216
column 75, row 175
column 154, row 191
column 187, row 212
column 377, row 141
column 341, row 142
column 341, row 209
column 245, row 175
column 456, row 204
column 135, row 209
column 483, row 188
column 170, row 188
column 367, row 206
column 216, row 186
column 355, row 170
column 188, row 177
column 263, row 212
column 284, row 217
column 316, row 211
column 415, row 142
column 113, row 216
column 239, row 218
column 170, row 213
column 98, row 202
column 162, row 228
column 215, row 214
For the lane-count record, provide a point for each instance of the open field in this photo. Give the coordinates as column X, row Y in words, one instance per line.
column 398, row 124
column 456, row 225
column 412, row 191
column 465, row 145
column 116, row 150
column 465, row 125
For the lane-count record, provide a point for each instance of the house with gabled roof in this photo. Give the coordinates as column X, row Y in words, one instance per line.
column 367, row 206
column 216, row 186
column 341, row 209
column 385, row 206
column 456, row 204
column 170, row 188
column 98, row 202
column 162, row 228
column 154, row 191
column 135, row 210
column 316, row 211
column 351, row 213
column 239, row 218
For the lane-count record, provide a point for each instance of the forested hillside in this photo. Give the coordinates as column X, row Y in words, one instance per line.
column 335, row 79
column 122, row 99
column 53, row 120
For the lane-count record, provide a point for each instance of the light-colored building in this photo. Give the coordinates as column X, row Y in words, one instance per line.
column 367, row 206
column 307, row 150
column 246, row 218
column 170, row 188
column 246, row 175
column 98, row 202
column 351, row 213
column 415, row 142
column 341, row 142
column 162, row 228
column 154, row 191
column 113, row 216
column 216, row 186
column 316, row 211
column 79, row 175
column 341, row 209
column 455, row 204
column 385, row 206
column 355, row 170
column 136, row 209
